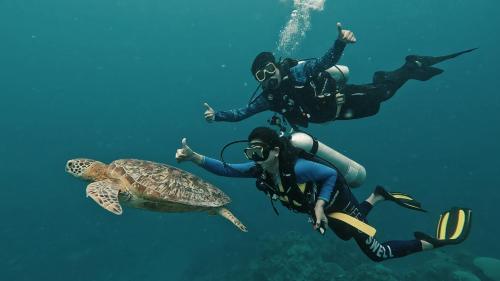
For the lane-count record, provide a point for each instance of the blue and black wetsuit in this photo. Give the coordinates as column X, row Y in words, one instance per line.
column 298, row 75
column 360, row 100
column 296, row 97
column 339, row 198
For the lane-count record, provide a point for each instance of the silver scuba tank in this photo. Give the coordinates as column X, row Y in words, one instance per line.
column 353, row 172
column 339, row 72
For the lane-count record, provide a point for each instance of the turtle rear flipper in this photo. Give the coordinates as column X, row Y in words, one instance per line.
column 105, row 193
column 229, row 216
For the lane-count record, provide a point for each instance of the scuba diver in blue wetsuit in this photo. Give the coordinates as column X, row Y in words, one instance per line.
column 311, row 186
column 314, row 90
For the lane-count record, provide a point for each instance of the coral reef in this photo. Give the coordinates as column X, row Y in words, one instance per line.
column 489, row 266
column 299, row 257
column 461, row 275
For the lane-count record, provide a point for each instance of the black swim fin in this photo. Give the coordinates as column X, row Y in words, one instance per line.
column 399, row 198
column 416, row 67
column 453, row 228
column 420, row 67
column 426, row 61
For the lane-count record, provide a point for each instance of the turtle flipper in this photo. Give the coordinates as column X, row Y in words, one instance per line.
column 229, row 216
column 105, row 193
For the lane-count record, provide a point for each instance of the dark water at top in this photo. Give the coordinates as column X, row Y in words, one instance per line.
column 127, row 79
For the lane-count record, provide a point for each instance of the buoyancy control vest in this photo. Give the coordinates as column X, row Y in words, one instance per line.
column 316, row 100
column 302, row 197
column 297, row 197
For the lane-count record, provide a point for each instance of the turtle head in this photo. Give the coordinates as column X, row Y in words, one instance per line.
column 87, row 169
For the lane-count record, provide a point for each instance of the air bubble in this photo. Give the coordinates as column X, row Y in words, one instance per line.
column 299, row 23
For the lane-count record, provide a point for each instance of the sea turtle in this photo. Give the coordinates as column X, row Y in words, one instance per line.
column 151, row 186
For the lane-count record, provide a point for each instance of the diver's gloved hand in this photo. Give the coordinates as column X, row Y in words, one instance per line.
column 321, row 219
column 345, row 35
column 185, row 153
column 209, row 113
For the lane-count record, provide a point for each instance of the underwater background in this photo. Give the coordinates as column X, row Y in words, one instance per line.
column 127, row 79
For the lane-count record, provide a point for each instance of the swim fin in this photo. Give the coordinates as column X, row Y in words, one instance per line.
column 416, row 67
column 426, row 61
column 420, row 67
column 399, row 198
column 453, row 228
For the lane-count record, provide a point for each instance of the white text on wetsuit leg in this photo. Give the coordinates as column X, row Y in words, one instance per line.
column 377, row 248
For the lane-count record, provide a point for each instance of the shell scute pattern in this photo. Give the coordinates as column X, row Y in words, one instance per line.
column 160, row 182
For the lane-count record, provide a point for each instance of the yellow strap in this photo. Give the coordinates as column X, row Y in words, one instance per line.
column 354, row 222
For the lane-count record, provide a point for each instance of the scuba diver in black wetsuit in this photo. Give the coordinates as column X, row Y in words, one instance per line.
column 306, row 185
column 305, row 92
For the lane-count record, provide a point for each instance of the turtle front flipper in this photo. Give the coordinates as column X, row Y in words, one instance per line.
column 105, row 193
column 229, row 216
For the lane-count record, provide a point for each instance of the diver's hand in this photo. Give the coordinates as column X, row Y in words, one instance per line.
column 321, row 219
column 185, row 153
column 346, row 36
column 209, row 113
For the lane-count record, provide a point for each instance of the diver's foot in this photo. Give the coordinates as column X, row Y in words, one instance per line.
column 426, row 61
column 419, row 68
column 380, row 191
column 429, row 239
column 399, row 198
column 436, row 243
column 424, row 73
column 453, row 228
column 411, row 70
column 416, row 67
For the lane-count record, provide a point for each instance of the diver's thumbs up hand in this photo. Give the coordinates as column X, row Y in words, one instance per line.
column 184, row 153
column 339, row 27
column 184, row 143
column 345, row 35
column 209, row 113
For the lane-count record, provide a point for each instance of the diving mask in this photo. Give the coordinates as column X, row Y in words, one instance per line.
column 257, row 152
column 270, row 68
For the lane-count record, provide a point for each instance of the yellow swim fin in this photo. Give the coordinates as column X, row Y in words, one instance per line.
column 453, row 228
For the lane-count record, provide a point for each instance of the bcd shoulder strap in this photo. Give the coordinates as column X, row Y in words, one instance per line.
column 293, row 191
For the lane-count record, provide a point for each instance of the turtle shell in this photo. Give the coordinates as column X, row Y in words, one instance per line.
column 163, row 183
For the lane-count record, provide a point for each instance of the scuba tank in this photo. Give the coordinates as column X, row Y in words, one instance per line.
column 353, row 172
column 339, row 72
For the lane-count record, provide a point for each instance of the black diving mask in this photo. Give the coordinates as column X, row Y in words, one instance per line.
column 261, row 74
column 257, row 152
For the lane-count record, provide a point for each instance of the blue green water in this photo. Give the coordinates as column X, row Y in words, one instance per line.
column 127, row 79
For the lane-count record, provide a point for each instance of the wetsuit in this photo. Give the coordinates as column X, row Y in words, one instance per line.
column 298, row 74
column 358, row 101
column 338, row 197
